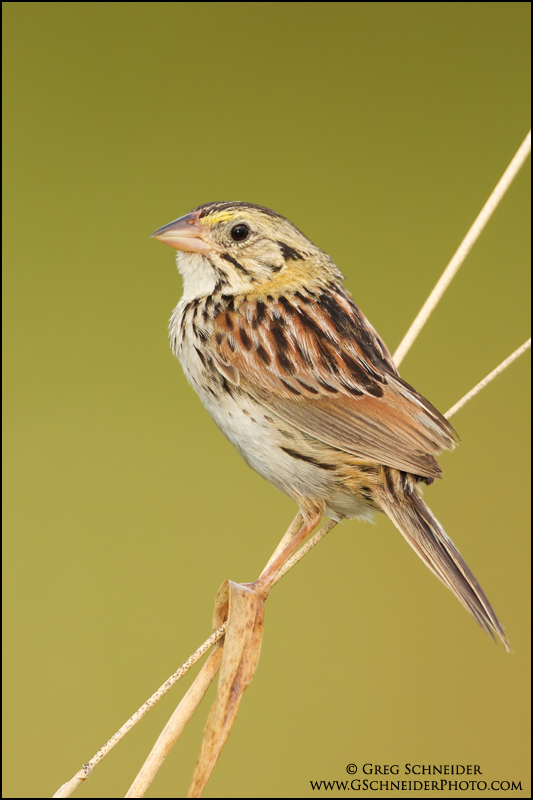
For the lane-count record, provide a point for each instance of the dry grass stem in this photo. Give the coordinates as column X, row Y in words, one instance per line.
column 177, row 722
column 487, row 379
column 68, row 788
column 463, row 250
column 240, row 654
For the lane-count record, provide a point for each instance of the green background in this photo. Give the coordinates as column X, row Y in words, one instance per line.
column 379, row 129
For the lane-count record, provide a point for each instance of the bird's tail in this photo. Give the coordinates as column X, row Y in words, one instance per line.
column 399, row 499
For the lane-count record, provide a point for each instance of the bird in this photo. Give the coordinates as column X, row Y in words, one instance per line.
column 298, row 380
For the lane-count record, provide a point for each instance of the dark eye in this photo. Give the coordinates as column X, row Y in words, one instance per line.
column 240, row 232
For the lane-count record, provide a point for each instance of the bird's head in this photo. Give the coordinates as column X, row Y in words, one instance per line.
column 244, row 249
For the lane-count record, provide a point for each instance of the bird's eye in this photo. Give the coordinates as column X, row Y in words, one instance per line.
column 240, row 232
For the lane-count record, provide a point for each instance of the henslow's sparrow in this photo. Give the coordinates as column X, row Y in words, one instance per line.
column 300, row 382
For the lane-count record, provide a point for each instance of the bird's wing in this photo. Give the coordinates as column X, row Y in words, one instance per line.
column 316, row 362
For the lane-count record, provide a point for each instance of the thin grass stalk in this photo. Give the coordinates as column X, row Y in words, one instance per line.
column 176, row 724
column 463, row 250
column 488, row 378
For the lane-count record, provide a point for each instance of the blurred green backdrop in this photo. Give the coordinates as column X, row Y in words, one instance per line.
column 379, row 129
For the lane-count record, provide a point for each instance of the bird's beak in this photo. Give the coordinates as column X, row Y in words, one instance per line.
column 186, row 234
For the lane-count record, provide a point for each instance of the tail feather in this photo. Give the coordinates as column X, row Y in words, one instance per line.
column 399, row 499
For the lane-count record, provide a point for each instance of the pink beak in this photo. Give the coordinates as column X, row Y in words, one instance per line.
column 186, row 234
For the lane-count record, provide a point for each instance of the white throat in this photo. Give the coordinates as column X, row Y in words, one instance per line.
column 199, row 277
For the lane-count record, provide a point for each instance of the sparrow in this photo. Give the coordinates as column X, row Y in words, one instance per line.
column 299, row 381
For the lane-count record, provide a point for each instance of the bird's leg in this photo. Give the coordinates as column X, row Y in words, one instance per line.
column 293, row 529
column 311, row 518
